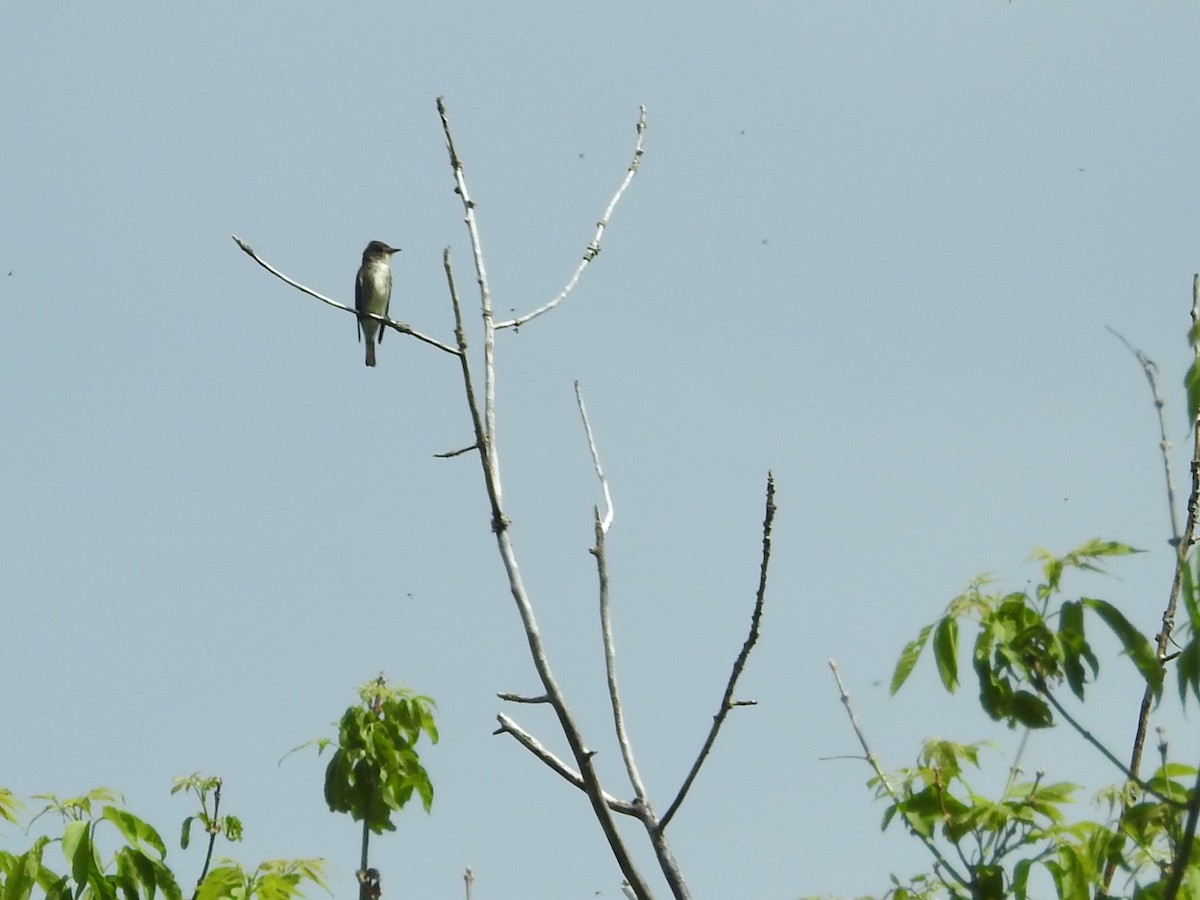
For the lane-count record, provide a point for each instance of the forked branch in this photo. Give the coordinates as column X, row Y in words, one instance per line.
column 534, row 746
column 484, row 424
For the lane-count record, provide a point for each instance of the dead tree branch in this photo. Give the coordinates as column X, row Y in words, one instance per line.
column 391, row 323
column 727, row 701
column 484, row 423
column 593, row 249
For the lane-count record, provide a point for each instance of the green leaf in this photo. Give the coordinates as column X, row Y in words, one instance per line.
column 134, row 830
column 223, row 883
column 164, row 878
column 185, row 837
column 231, row 827
column 143, row 866
column 1187, row 665
column 908, row 658
column 9, row 805
column 945, row 652
column 989, row 883
column 1192, row 382
column 1074, row 646
column 1020, row 886
column 1031, row 710
column 1188, row 593
column 426, row 721
column 23, row 876
column 425, row 790
column 1071, row 619
column 77, row 850
column 1140, row 650
column 1096, row 548
column 888, row 815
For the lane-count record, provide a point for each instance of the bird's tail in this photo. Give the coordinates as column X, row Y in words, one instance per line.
column 371, row 351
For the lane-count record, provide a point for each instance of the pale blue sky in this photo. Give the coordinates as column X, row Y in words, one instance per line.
column 872, row 247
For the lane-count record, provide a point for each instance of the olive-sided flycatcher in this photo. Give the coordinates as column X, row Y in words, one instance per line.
column 373, row 293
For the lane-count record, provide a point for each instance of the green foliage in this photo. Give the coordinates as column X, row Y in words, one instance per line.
column 10, row 806
column 1019, row 655
column 374, row 772
column 278, row 879
column 376, row 769
column 1026, row 645
column 999, row 843
column 81, row 869
column 996, row 841
column 136, row 870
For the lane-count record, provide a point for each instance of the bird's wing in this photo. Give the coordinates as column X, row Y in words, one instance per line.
column 386, row 306
column 359, row 302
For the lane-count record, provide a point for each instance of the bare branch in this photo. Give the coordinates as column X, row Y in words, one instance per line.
column 485, row 434
column 491, row 484
column 727, row 701
column 450, row 454
column 610, row 662
column 607, row 520
column 521, row 698
column 593, row 249
column 1150, row 370
column 534, row 746
column 391, row 323
column 485, row 296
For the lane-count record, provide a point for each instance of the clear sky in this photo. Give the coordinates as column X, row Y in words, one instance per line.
column 873, row 247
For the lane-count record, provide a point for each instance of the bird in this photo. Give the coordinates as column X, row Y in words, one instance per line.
column 373, row 293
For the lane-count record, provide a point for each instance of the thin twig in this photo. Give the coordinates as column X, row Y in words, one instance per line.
column 534, row 746
column 602, row 524
column 391, row 323
column 1150, row 370
column 485, row 296
column 886, row 782
column 521, row 698
column 727, row 701
column 607, row 520
column 460, row 336
column 450, row 454
column 593, row 249
column 610, row 669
